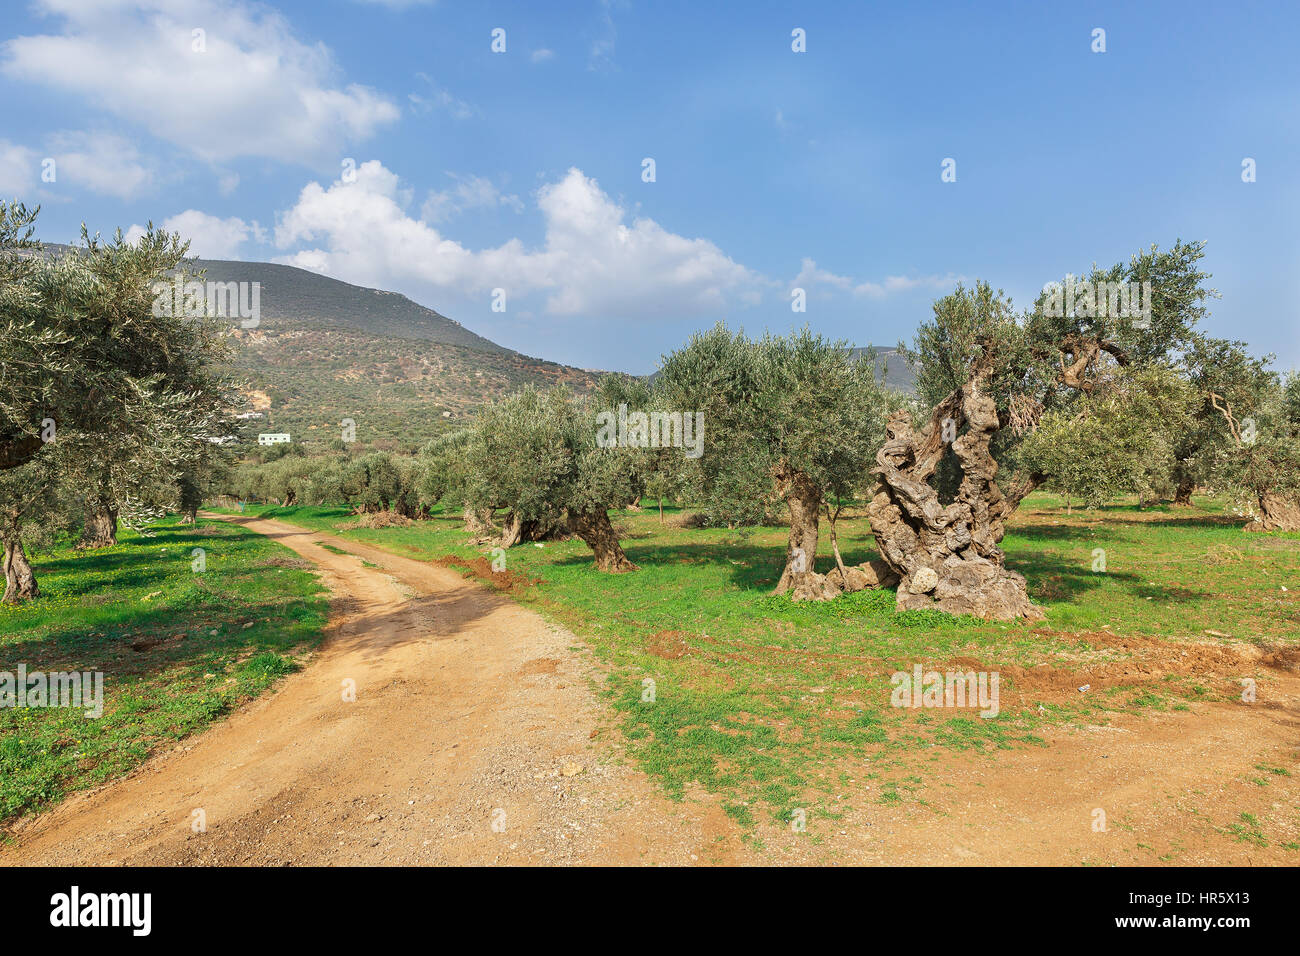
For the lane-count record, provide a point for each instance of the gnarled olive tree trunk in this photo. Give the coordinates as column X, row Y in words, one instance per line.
column 20, row 579
column 948, row 557
column 190, row 499
column 595, row 529
column 1276, row 514
column 517, row 529
column 1183, row 494
column 15, row 452
column 478, row 522
column 100, row 528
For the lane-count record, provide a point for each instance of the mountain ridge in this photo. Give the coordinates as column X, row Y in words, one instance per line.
column 325, row 350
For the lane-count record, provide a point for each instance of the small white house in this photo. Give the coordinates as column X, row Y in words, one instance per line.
column 272, row 438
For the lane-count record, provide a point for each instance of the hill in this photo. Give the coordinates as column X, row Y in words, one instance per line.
column 326, row 350
column 293, row 297
column 898, row 373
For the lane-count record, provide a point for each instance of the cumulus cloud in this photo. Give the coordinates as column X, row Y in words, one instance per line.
column 210, row 236
column 244, row 86
column 542, row 55
column 592, row 261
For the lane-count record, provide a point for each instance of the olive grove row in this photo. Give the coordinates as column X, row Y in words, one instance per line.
column 109, row 412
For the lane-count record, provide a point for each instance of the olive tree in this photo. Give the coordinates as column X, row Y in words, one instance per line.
column 1260, row 457
column 792, row 417
column 536, row 453
column 1005, row 374
column 109, row 396
column 1104, row 445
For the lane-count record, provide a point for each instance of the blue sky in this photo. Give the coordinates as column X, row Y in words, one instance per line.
column 523, row 170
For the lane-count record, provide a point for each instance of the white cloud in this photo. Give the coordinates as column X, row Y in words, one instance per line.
column 19, row 169
column 101, row 162
column 254, row 90
column 592, row 261
column 470, row 192
column 210, row 237
column 811, row 275
column 542, row 55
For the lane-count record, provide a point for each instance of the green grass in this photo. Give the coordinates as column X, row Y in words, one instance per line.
column 774, row 705
column 178, row 649
column 1247, row 831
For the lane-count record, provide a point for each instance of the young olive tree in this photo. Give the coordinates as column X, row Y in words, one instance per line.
column 536, row 454
column 447, row 478
column 1104, row 445
column 1260, row 459
column 794, row 417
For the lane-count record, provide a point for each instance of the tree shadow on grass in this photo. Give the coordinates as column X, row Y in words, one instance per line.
column 128, row 565
column 1184, row 521
column 1056, row 580
column 288, row 512
column 756, row 569
column 1054, row 532
column 155, row 641
column 109, row 627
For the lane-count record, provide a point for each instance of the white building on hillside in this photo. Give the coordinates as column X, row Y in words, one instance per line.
column 272, row 438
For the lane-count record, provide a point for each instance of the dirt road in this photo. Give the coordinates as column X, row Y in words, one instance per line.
column 471, row 709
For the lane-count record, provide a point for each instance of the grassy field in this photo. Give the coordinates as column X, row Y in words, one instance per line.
column 178, row 648
column 774, row 705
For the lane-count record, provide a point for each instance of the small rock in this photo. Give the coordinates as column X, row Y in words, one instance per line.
column 924, row 581
column 571, row 769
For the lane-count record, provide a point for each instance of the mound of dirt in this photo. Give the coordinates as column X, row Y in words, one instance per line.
column 670, row 645
column 378, row 519
column 481, row 569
